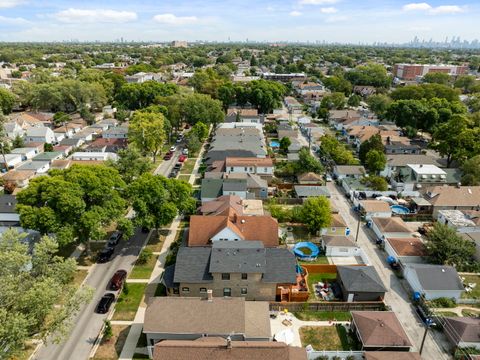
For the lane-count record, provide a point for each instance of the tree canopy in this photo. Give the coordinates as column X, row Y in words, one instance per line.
column 139, row 95
column 7, row 101
column 146, row 132
column 471, row 171
column 315, row 213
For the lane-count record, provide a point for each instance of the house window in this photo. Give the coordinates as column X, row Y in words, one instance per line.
column 175, row 291
column 246, row 168
column 227, row 292
column 265, row 169
column 185, row 289
column 225, row 276
column 231, row 169
column 203, row 290
column 243, row 291
column 244, row 276
column 334, row 229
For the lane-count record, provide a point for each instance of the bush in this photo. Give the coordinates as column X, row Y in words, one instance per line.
column 444, row 302
column 125, row 288
column 107, row 332
column 144, row 256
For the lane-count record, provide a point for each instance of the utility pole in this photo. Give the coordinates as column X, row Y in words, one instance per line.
column 428, row 323
column 358, row 228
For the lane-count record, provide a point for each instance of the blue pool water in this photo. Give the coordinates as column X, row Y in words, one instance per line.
column 274, row 144
column 314, row 250
column 399, row 209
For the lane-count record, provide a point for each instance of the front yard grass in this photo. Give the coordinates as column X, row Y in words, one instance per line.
column 188, row 166
column 325, row 337
column 475, row 293
column 111, row 349
column 143, row 271
column 26, row 352
column 128, row 301
column 156, row 240
column 310, row 315
column 79, row 276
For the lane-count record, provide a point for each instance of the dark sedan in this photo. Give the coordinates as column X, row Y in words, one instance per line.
column 105, row 303
column 105, row 255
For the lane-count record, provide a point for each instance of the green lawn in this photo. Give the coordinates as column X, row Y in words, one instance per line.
column 143, row 271
column 309, row 315
column 325, row 337
column 470, row 313
column 184, row 177
column 79, row 276
column 315, row 278
column 447, row 313
column 319, row 260
column 127, row 304
column 155, row 242
column 188, row 166
column 475, row 293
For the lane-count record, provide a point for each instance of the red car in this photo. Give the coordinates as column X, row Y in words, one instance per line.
column 117, row 280
column 182, row 158
column 167, row 156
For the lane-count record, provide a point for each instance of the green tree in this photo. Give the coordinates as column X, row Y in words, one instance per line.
column 18, row 142
column 146, row 132
column 437, row 78
column 415, row 114
column 316, row 214
column 337, row 151
column 446, row 247
column 374, row 182
column 266, row 95
column 7, row 101
column 338, row 84
column 285, row 142
column 333, row 101
column 374, row 143
column 201, row 108
column 200, row 130
column 370, row 74
column 38, row 298
column 130, row 164
column 74, row 204
column 471, row 171
column 157, row 200
column 137, row 96
column 126, row 227
column 193, row 142
column 354, row 100
column 465, row 83
column 60, row 118
column 307, row 162
column 379, row 104
column 375, row 161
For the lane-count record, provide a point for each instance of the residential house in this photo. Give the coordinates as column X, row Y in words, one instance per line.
column 415, row 177
column 391, row 355
column 434, row 281
column 249, row 165
column 360, row 283
column 406, row 250
column 380, row 331
column 13, row 129
column 338, row 227
column 466, row 221
column 25, row 152
column 375, row 208
column 48, row 156
column 74, row 143
column 309, row 178
column 341, row 246
column 392, row 227
column 38, row 167
column 232, row 226
column 463, row 332
column 40, row 134
column 306, row 191
column 19, row 178
column 231, row 269
column 348, row 171
column 116, row 132
column 60, row 164
column 94, row 156
column 64, row 149
column 453, row 198
column 293, row 106
column 217, row 348
column 8, row 216
column 191, row 318
column 364, row 90
column 396, row 163
column 10, row 161
column 107, row 145
column 223, row 204
column 86, row 135
column 337, row 117
column 64, row 132
column 244, row 117
column 247, row 186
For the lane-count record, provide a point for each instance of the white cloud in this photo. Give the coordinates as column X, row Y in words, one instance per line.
column 95, row 15
column 442, row 9
column 318, row 2
column 172, row 19
column 328, row 10
column 416, row 6
column 447, row 9
column 11, row 3
column 13, row 21
column 337, row 18
column 295, row 13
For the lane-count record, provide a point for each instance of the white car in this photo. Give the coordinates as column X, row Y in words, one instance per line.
column 185, row 152
column 173, row 148
column 328, row 178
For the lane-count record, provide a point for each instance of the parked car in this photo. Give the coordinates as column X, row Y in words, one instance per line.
column 167, row 156
column 177, row 166
column 180, row 139
column 328, row 178
column 116, row 282
column 182, row 158
column 173, row 148
column 185, row 151
column 105, row 254
column 114, row 238
column 105, row 303
column 173, row 174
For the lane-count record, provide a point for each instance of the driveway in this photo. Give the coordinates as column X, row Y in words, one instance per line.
column 397, row 297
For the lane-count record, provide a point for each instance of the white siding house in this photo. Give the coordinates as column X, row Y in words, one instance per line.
column 393, row 227
column 40, row 134
column 94, row 156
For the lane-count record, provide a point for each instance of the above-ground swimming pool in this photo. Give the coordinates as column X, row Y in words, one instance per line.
column 274, row 143
column 306, row 250
column 399, row 209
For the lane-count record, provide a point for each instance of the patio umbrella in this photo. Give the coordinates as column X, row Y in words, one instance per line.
column 286, row 336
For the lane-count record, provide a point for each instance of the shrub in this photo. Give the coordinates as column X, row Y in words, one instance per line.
column 107, row 332
column 444, row 302
column 125, row 288
column 144, row 256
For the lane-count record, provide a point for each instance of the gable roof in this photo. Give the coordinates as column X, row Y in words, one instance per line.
column 380, row 328
column 402, row 160
column 238, row 257
column 391, row 355
column 463, row 329
column 187, row 315
column 375, row 206
column 262, row 228
column 311, row 190
column 214, row 348
column 248, row 161
column 454, row 196
column 391, row 225
column 309, row 176
column 192, row 265
column 350, row 169
column 407, row 246
column 338, row 221
column 334, row 240
column 436, row 277
column 360, row 279
column 222, row 204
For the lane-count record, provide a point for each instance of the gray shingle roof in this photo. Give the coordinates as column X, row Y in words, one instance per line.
column 306, row 191
column 234, row 185
column 211, row 188
column 361, row 279
column 280, row 266
column 238, row 257
column 192, row 265
column 437, row 277
column 7, row 204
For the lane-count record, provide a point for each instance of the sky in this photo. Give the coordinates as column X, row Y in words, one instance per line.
column 345, row 21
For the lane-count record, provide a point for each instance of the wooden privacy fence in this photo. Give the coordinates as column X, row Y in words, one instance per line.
column 328, row 306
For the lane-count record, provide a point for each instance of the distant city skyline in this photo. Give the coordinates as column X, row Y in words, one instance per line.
column 331, row 21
